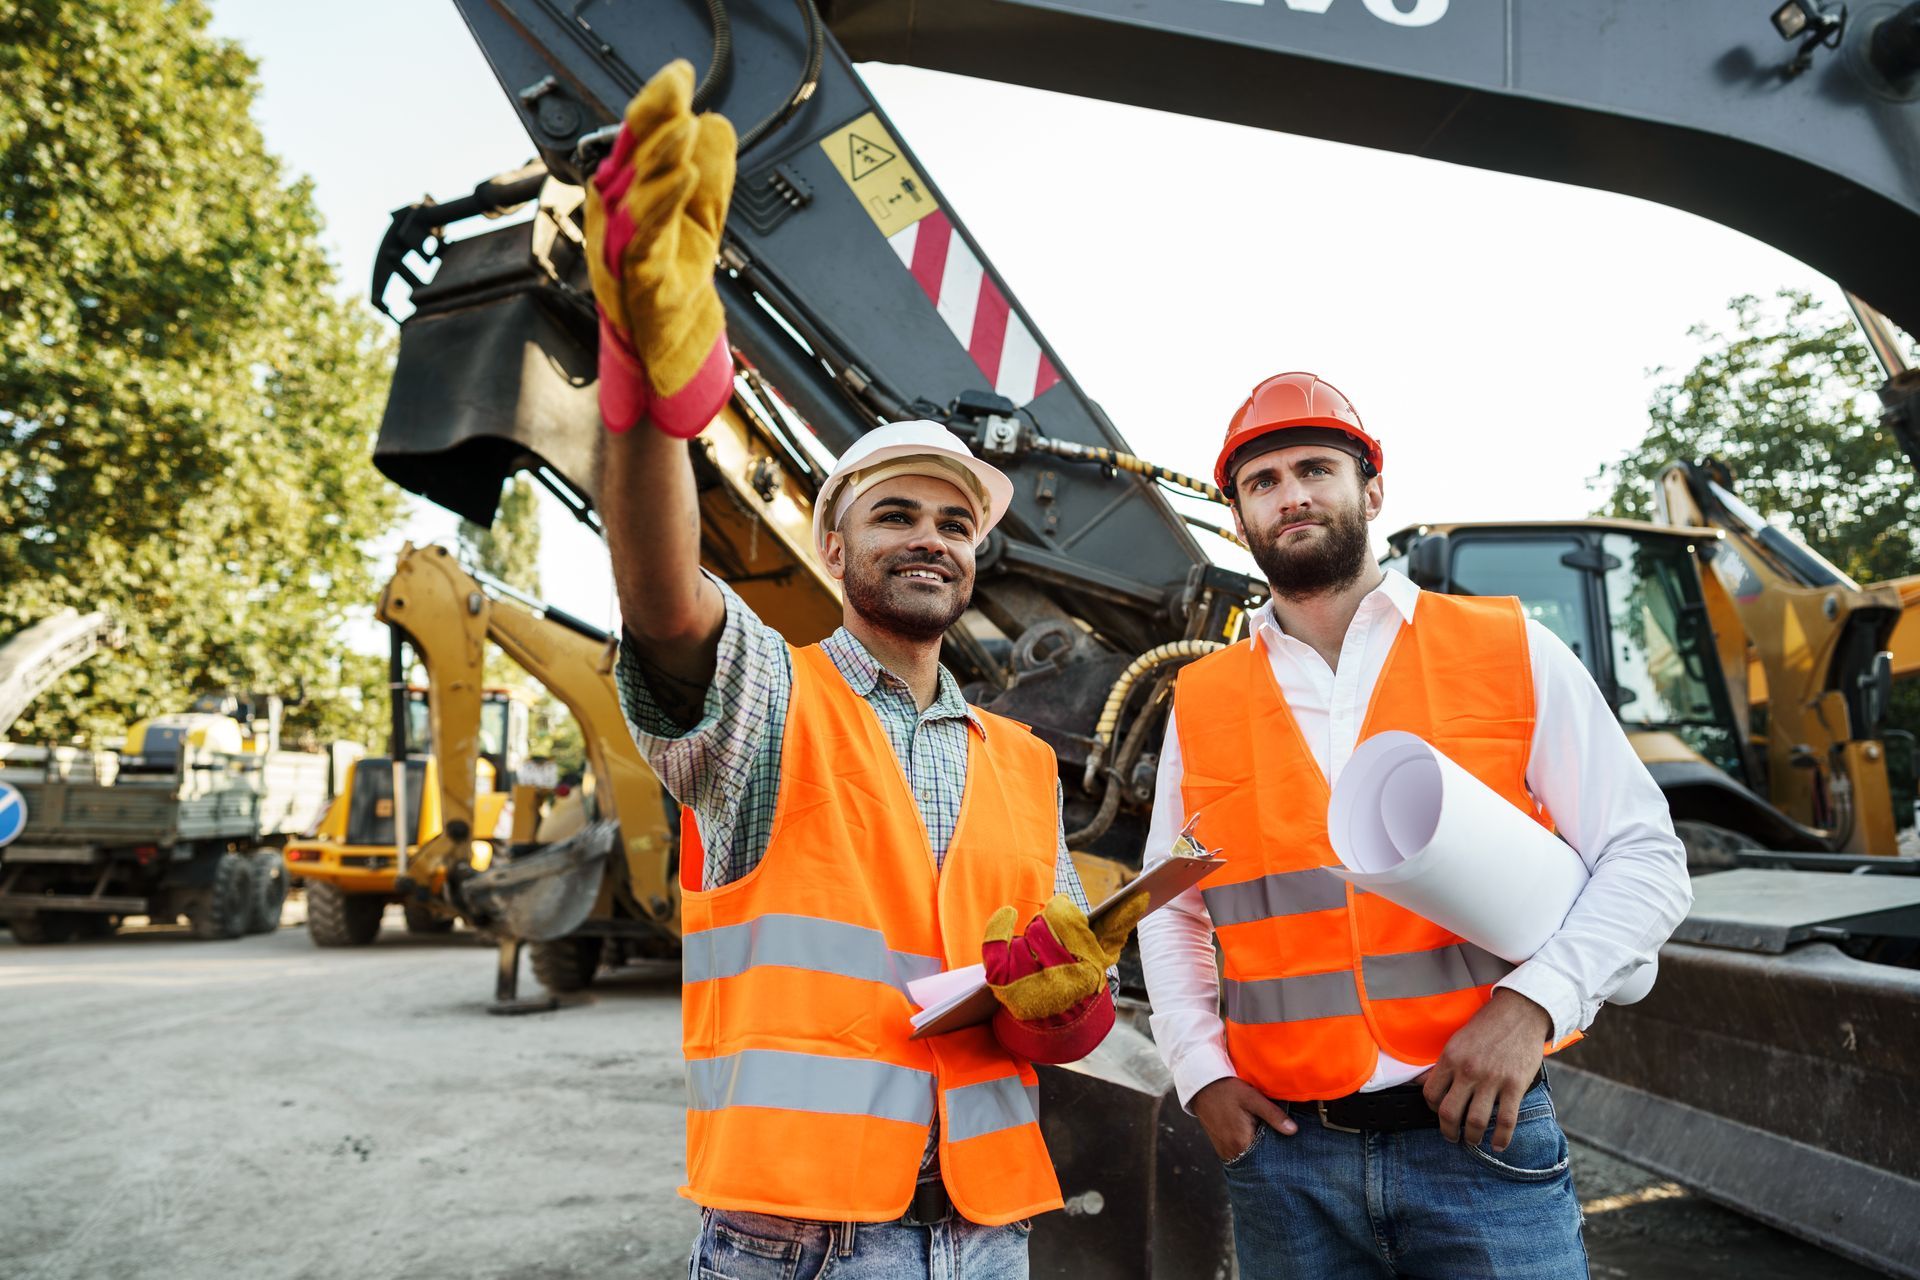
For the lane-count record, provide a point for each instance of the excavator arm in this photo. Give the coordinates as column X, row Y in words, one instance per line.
column 855, row 294
column 449, row 617
column 38, row 655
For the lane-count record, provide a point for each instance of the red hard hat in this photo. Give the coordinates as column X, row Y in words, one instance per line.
column 1291, row 400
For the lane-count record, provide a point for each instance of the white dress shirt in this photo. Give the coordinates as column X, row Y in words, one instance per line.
column 1602, row 800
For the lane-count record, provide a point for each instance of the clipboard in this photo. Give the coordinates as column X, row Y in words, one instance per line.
column 961, row 998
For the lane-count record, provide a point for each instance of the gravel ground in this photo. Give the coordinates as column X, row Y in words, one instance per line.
column 263, row 1109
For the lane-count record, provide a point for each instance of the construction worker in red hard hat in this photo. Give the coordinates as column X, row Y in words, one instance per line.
column 1372, row 1082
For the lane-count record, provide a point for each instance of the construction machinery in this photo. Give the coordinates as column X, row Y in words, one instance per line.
column 856, row 296
column 472, row 852
column 188, row 820
column 38, row 655
column 347, row 865
column 1752, row 677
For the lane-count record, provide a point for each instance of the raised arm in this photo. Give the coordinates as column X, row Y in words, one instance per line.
column 673, row 614
column 655, row 210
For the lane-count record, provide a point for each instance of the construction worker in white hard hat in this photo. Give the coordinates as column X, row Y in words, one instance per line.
column 849, row 822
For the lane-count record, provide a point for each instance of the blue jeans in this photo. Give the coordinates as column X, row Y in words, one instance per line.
column 755, row 1246
column 1327, row 1204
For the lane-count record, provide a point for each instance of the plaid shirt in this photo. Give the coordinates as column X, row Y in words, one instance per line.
column 727, row 766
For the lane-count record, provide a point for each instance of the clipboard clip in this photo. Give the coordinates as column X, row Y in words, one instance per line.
column 1193, row 847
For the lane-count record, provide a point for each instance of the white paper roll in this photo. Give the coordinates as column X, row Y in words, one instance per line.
column 1409, row 824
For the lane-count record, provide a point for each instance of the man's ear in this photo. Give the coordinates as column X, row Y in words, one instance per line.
column 835, row 555
column 1239, row 529
column 1376, row 495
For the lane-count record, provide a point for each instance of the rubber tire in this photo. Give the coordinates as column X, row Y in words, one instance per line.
column 339, row 919
column 223, row 911
column 91, row 927
column 269, row 891
column 42, row 928
column 567, row 964
column 423, row 919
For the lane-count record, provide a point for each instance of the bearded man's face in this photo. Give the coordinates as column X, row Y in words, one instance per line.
column 1303, row 512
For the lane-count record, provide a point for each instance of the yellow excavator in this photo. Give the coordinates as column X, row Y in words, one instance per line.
column 1757, row 1071
column 585, row 874
column 1750, row 673
column 347, row 862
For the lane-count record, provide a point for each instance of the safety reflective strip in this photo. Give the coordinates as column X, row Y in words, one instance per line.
column 1284, row 893
column 1312, row 995
column 801, row 942
column 990, row 1106
column 809, row 1082
column 1412, row 974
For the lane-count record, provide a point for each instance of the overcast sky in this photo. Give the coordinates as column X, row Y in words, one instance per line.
column 1496, row 333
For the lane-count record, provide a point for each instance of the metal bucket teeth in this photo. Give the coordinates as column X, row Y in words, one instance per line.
column 545, row 895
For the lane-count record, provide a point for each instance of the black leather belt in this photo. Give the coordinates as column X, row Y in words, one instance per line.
column 1395, row 1110
column 930, row 1205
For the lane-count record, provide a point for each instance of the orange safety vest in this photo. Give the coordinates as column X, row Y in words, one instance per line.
column 1321, row 976
column 805, row 1096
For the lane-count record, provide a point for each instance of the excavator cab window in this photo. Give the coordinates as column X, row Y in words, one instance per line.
column 1552, row 592
column 1664, row 664
column 419, row 723
column 1631, row 609
column 506, row 729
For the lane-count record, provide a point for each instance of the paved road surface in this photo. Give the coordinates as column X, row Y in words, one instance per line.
column 263, row 1110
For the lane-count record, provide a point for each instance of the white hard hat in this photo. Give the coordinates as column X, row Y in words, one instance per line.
column 945, row 457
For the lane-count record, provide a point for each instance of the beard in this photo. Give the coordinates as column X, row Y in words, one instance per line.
column 1322, row 564
column 897, row 606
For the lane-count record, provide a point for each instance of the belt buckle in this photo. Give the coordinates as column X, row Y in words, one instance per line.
column 935, row 1202
column 1325, row 1123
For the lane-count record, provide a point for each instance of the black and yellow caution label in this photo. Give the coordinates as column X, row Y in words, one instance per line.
column 885, row 182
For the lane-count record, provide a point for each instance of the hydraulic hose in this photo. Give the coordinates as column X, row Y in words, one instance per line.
column 809, row 79
column 720, row 66
column 1161, row 655
column 1127, row 462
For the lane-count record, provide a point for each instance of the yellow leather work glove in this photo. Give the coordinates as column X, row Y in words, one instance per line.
column 656, row 208
column 1058, row 961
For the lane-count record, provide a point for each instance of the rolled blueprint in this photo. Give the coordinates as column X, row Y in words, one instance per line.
column 1409, row 824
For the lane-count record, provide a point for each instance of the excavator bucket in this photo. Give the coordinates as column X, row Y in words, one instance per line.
column 1145, row 1196
column 545, row 895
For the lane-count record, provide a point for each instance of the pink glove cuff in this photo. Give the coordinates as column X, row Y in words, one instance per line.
column 1068, row 1038
column 623, row 383
column 686, row 413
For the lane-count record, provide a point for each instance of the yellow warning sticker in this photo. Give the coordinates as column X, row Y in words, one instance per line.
column 878, row 171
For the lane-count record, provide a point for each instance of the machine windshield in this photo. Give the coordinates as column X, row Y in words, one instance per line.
column 1654, row 646
column 1664, row 664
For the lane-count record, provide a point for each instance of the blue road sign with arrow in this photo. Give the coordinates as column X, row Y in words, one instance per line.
column 13, row 815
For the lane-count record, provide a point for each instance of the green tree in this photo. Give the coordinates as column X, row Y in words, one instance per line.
column 187, row 407
column 509, row 548
column 1783, row 393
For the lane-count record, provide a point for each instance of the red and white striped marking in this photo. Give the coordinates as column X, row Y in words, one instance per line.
column 974, row 308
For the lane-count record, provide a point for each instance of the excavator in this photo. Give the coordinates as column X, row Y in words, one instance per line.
column 614, row 841
column 347, row 865
column 855, row 296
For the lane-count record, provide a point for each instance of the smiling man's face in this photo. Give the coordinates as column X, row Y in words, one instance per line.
column 1303, row 512
column 904, row 552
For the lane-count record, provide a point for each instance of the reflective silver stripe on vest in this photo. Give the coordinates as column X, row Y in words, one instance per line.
column 801, row 942
column 1284, row 893
column 1411, row 974
column 989, row 1107
column 1312, row 995
column 810, row 1082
